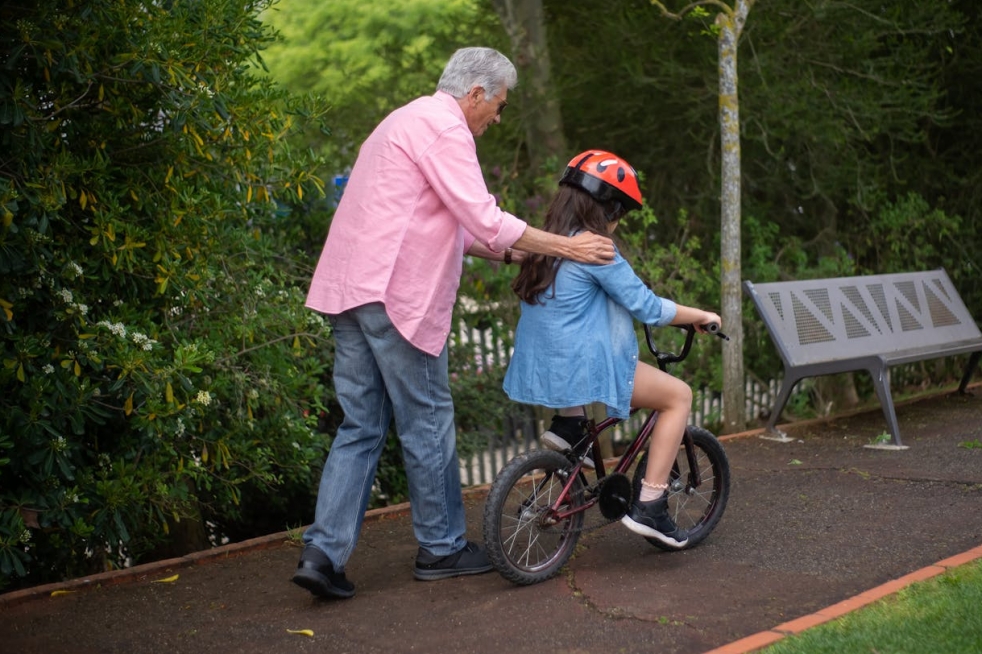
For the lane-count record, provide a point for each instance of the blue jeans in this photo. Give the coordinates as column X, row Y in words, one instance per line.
column 378, row 374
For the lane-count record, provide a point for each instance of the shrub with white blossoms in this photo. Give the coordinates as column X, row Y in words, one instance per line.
column 157, row 359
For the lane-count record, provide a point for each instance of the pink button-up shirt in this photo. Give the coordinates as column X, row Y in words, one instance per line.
column 415, row 202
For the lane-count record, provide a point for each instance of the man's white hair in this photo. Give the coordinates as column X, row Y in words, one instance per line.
column 484, row 67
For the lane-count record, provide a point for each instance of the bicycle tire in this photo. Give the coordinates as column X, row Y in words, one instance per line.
column 697, row 510
column 520, row 544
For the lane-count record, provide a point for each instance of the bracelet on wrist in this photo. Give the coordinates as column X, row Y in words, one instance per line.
column 507, row 257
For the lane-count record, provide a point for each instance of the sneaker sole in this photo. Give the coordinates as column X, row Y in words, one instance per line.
column 319, row 585
column 559, row 444
column 648, row 532
column 434, row 575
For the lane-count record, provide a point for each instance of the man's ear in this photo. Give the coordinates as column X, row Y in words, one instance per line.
column 476, row 94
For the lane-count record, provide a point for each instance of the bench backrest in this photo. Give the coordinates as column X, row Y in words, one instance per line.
column 823, row 320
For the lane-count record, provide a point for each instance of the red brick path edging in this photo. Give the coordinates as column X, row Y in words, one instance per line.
column 764, row 638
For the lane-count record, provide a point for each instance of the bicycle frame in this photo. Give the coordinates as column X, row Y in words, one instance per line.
column 640, row 441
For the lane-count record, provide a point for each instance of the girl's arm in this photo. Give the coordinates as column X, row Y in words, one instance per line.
column 691, row 316
column 624, row 286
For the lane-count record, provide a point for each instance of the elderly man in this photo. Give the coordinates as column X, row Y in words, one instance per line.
column 415, row 203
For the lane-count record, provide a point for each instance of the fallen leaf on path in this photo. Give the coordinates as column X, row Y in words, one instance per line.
column 56, row 593
column 301, row 632
column 165, row 580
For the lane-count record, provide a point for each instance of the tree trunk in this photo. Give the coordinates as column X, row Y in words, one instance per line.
column 524, row 22
column 734, row 395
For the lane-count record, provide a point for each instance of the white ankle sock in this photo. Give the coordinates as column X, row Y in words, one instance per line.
column 651, row 492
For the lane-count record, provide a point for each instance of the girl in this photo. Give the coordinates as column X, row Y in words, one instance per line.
column 575, row 343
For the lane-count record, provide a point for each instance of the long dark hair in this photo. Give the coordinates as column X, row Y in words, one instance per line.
column 571, row 210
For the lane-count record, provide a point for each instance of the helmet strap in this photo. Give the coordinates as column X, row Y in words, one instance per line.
column 613, row 210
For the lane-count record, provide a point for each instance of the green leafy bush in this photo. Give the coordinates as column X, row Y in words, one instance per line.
column 160, row 379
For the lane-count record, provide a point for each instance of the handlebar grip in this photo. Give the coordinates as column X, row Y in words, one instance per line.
column 713, row 328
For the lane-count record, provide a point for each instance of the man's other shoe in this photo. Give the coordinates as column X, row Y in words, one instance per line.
column 471, row 560
column 316, row 573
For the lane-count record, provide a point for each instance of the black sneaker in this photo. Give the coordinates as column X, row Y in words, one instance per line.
column 651, row 520
column 471, row 560
column 568, row 433
column 315, row 572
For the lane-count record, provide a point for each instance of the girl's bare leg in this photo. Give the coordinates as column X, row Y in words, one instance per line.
column 672, row 398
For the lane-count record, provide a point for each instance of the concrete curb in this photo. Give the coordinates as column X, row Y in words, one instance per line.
column 145, row 570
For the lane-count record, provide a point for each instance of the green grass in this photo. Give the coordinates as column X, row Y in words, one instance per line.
column 942, row 615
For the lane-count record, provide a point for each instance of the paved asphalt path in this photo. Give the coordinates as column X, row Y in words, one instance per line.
column 809, row 524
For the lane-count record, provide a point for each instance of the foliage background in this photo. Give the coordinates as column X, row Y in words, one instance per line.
column 160, row 376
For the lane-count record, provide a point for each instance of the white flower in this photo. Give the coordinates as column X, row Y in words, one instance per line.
column 75, row 269
column 66, row 295
column 203, row 397
column 48, row 369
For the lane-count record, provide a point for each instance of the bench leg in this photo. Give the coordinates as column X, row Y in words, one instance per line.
column 973, row 361
column 881, row 382
column 772, row 433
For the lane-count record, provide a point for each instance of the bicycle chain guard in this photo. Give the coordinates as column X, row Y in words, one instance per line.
column 615, row 496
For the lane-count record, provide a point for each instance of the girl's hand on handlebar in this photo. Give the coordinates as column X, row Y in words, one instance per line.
column 709, row 324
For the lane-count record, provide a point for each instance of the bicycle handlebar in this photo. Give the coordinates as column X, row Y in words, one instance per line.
column 664, row 358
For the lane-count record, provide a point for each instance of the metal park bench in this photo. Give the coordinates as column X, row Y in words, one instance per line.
column 847, row 324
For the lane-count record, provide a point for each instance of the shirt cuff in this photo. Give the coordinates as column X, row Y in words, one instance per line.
column 668, row 311
column 511, row 230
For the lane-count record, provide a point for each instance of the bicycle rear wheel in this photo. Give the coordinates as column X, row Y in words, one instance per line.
column 524, row 542
column 697, row 509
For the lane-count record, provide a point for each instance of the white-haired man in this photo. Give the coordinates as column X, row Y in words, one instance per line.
column 414, row 205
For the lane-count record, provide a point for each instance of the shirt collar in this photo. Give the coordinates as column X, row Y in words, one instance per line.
column 452, row 104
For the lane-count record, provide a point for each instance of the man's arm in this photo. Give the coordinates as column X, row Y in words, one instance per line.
column 585, row 247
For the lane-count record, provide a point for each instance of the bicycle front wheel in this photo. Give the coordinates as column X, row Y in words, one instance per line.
column 524, row 540
column 695, row 508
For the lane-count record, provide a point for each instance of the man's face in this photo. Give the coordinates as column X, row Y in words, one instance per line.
column 483, row 110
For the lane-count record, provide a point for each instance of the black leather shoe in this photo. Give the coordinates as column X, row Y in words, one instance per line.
column 315, row 572
column 471, row 560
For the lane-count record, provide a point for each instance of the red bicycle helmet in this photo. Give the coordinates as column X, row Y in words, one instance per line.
column 605, row 176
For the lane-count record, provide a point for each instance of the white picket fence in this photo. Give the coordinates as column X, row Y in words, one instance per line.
column 491, row 348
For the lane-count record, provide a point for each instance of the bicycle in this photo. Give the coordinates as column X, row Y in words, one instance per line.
column 536, row 506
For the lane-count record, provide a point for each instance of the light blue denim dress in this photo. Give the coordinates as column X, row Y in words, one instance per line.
column 580, row 346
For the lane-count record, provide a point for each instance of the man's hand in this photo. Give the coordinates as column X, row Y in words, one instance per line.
column 588, row 247
column 585, row 247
